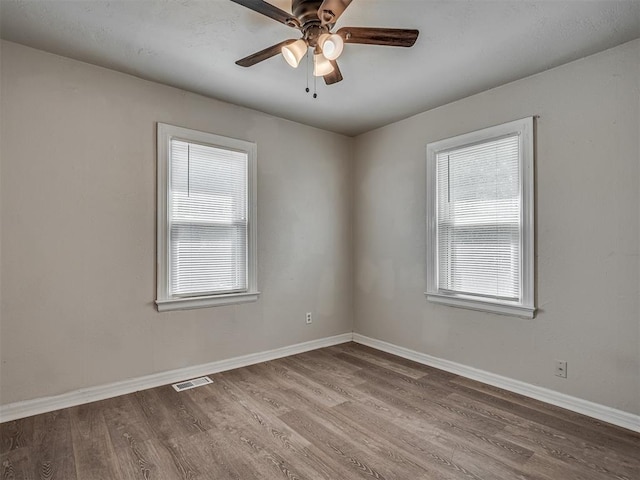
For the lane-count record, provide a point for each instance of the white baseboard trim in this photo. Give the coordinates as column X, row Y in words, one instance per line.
column 13, row 411
column 585, row 407
column 37, row 406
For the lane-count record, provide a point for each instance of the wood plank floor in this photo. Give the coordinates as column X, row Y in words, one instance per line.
column 344, row 412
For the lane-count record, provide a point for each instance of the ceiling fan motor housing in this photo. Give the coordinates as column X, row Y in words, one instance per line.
column 306, row 10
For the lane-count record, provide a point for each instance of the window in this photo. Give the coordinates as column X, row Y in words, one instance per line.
column 480, row 220
column 206, row 219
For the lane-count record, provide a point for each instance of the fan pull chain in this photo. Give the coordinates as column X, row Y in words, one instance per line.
column 307, row 89
column 315, row 89
column 315, row 86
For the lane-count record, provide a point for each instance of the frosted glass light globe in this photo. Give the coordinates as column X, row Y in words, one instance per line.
column 331, row 45
column 294, row 52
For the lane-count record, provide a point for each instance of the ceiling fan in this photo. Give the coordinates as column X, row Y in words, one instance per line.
column 315, row 19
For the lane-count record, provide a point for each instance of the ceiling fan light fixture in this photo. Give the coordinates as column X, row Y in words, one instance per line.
column 331, row 45
column 316, row 34
column 321, row 65
column 294, row 52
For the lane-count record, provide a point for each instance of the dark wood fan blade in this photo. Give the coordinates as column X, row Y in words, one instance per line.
column 330, row 10
column 270, row 11
column 335, row 76
column 263, row 54
column 392, row 37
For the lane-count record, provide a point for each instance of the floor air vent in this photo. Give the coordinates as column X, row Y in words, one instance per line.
column 196, row 382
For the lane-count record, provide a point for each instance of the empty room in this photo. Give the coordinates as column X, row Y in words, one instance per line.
column 320, row 239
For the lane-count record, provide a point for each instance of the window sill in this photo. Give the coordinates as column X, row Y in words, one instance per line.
column 472, row 304
column 203, row 302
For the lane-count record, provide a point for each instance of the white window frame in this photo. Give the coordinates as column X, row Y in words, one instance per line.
column 525, row 307
column 164, row 301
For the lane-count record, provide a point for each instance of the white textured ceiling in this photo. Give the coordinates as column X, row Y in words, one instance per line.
column 465, row 46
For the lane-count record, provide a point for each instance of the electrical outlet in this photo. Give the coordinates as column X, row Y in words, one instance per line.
column 561, row 368
column 309, row 319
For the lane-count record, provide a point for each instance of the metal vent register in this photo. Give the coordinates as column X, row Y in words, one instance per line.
column 187, row 384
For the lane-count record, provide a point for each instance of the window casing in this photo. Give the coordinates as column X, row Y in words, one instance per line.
column 206, row 241
column 480, row 220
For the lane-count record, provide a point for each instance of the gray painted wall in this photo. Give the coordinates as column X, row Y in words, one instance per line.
column 78, row 230
column 588, row 211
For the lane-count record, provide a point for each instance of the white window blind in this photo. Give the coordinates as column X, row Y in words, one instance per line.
column 208, row 241
column 479, row 219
